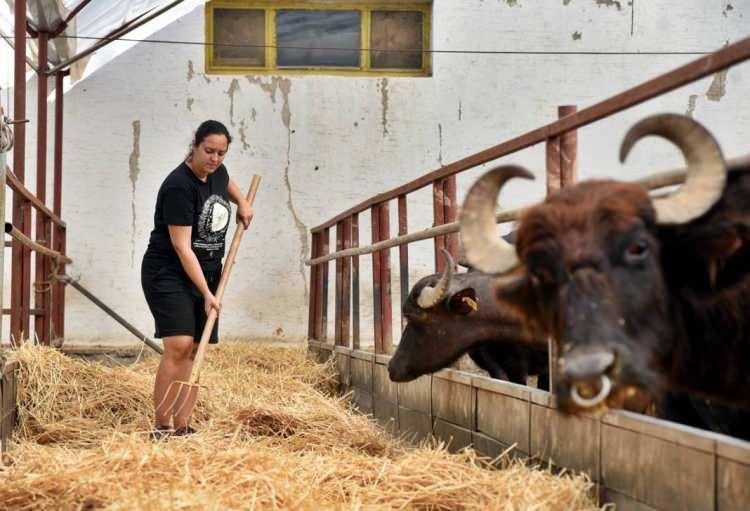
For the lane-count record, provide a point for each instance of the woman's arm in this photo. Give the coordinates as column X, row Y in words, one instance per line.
column 180, row 236
column 244, row 209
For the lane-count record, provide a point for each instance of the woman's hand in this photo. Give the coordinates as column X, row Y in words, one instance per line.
column 244, row 213
column 210, row 302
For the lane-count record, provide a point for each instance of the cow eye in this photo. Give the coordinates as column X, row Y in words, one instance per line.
column 636, row 252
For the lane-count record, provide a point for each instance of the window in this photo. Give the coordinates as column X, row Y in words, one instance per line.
column 364, row 38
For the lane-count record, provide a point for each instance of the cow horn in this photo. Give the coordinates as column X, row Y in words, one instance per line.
column 706, row 168
column 432, row 295
column 485, row 249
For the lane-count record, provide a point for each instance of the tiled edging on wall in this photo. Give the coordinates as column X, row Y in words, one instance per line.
column 637, row 462
column 8, row 389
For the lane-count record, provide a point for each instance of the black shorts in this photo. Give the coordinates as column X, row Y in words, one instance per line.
column 175, row 302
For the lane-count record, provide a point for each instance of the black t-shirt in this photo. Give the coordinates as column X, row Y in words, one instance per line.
column 183, row 199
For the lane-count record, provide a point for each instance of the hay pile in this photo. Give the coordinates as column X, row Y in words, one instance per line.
column 271, row 437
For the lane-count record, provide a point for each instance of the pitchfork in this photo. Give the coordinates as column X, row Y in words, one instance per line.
column 195, row 376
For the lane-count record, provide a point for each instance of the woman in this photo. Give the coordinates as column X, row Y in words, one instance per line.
column 182, row 265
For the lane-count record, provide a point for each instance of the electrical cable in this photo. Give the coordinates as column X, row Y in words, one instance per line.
column 384, row 50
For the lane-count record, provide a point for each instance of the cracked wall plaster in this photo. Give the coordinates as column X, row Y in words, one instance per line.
column 284, row 85
column 609, row 3
column 234, row 86
column 243, row 135
column 440, row 142
column 718, row 87
column 133, row 171
column 716, row 90
column 191, row 72
column 692, row 100
column 383, row 86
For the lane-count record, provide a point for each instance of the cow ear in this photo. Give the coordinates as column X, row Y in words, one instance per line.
column 717, row 240
column 701, row 252
column 516, row 295
column 513, row 286
column 463, row 302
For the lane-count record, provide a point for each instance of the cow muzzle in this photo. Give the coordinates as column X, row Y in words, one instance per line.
column 587, row 374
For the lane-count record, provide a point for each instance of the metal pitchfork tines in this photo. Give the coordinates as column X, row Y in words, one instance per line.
column 194, row 383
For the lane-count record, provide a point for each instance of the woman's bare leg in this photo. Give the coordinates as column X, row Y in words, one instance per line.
column 187, row 399
column 176, row 364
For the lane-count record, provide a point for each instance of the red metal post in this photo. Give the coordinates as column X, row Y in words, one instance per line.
column 355, row 282
column 568, row 176
column 553, row 165
column 438, row 212
column 346, row 286
column 325, row 243
column 62, row 248
column 42, row 295
column 562, row 168
column 19, row 153
column 553, row 184
column 385, row 283
column 568, row 150
column 58, row 297
column 338, row 298
column 377, row 316
column 312, row 309
column 403, row 253
column 318, row 288
column 450, row 214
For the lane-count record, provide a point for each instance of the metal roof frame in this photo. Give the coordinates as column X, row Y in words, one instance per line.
column 52, row 17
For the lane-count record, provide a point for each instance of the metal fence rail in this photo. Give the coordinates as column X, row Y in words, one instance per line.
column 561, row 168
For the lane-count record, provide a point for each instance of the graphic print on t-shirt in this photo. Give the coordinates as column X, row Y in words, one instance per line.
column 213, row 223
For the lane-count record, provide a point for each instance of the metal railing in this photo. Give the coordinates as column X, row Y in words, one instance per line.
column 561, row 163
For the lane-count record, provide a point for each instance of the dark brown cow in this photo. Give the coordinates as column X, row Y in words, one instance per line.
column 452, row 314
column 641, row 294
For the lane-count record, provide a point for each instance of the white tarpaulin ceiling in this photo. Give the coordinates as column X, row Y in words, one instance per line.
column 97, row 19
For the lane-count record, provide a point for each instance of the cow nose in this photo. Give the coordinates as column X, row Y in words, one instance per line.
column 586, row 365
column 587, row 373
column 395, row 373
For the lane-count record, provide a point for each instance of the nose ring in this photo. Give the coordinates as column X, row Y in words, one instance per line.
column 583, row 402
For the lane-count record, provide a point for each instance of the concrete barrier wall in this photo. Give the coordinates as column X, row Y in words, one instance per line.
column 8, row 390
column 637, row 462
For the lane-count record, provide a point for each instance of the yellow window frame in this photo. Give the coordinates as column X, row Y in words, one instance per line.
column 365, row 8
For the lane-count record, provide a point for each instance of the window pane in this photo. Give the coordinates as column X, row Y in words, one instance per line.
column 317, row 38
column 244, row 33
column 396, row 30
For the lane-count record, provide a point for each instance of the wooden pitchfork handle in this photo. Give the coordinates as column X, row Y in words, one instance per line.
column 212, row 315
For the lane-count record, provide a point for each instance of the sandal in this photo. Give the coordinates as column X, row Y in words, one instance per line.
column 160, row 432
column 184, row 431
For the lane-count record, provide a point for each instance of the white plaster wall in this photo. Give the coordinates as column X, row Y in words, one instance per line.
column 323, row 144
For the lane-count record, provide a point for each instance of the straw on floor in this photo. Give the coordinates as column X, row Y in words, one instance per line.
column 272, row 436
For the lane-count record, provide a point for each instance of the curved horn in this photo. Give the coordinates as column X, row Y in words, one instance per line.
column 431, row 296
column 485, row 250
column 706, row 168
